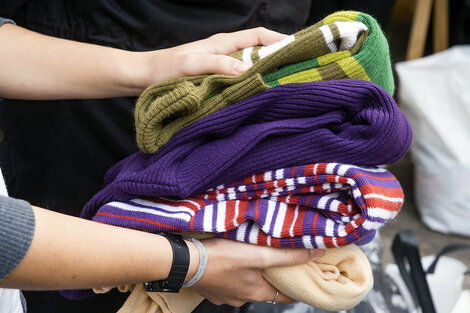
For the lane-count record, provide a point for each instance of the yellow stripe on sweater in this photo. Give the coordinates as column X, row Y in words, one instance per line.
column 353, row 69
column 333, row 57
column 341, row 16
column 311, row 75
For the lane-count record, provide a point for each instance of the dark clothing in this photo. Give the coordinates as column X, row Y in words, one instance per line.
column 55, row 153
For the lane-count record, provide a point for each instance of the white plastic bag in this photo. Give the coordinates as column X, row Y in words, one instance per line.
column 434, row 93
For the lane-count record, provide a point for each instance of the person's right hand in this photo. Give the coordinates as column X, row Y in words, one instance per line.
column 234, row 271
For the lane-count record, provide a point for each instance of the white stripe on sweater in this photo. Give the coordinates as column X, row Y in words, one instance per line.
column 269, row 216
column 296, row 214
column 379, row 196
column 221, row 209
column 166, row 206
column 246, row 55
column 241, row 231
column 281, row 216
column 131, row 208
column 267, row 50
column 348, row 32
column 328, row 35
column 207, row 223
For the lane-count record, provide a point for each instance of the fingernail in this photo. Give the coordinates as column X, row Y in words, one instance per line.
column 316, row 253
column 240, row 67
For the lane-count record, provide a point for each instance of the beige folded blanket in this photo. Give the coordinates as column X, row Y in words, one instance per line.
column 337, row 281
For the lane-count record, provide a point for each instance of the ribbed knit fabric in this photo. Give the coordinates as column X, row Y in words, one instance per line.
column 343, row 45
column 323, row 205
column 347, row 121
column 17, row 225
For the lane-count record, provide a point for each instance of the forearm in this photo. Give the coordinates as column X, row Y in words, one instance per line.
column 36, row 66
column 68, row 252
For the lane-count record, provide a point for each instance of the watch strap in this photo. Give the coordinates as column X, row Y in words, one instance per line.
column 179, row 267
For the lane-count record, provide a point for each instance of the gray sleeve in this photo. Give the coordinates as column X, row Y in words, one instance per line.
column 5, row 20
column 16, row 232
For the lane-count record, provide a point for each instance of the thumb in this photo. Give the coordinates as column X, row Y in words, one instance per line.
column 275, row 257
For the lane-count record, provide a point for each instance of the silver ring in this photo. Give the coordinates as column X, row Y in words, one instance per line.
column 274, row 300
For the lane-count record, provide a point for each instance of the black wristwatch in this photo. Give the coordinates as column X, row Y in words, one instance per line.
column 179, row 268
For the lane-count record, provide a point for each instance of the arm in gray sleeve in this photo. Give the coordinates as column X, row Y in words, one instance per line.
column 16, row 232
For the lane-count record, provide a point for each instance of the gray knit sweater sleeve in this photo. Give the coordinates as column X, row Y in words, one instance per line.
column 16, row 232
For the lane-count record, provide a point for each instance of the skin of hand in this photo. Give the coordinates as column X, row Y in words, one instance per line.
column 233, row 275
column 42, row 67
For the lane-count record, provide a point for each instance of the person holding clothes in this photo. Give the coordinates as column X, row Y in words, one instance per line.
column 54, row 153
column 41, row 249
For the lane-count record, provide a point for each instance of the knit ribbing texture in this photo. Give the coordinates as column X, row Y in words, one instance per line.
column 344, row 121
column 323, row 205
column 343, row 45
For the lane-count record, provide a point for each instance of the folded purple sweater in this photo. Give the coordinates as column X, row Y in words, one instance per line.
column 346, row 121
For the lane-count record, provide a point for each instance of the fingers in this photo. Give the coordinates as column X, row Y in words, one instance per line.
column 226, row 43
column 197, row 64
column 270, row 294
column 273, row 257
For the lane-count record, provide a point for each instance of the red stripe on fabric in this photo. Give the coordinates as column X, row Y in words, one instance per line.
column 308, row 170
column 259, row 178
column 305, row 190
column 328, row 242
column 286, row 225
column 230, row 214
column 299, row 223
column 293, row 199
column 349, row 228
column 355, row 234
column 293, row 171
column 321, row 168
column 341, row 241
column 262, row 238
column 275, row 242
column 343, row 209
column 256, row 210
column 242, row 208
column 388, row 192
column 143, row 220
column 270, row 185
column 281, row 183
column 259, row 193
column 331, row 178
column 314, row 224
column 384, row 204
column 247, row 180
column 374, row 177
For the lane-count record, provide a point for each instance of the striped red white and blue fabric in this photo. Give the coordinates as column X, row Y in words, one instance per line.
column 323, row 205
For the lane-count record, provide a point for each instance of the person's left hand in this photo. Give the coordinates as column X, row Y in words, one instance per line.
column 234, row 271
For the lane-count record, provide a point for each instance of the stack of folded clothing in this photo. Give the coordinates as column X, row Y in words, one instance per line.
column 284, row 155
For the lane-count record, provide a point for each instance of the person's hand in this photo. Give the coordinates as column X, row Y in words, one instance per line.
column 233, row 275
column 206, row 56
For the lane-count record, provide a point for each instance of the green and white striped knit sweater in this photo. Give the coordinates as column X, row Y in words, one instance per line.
column 343, row 45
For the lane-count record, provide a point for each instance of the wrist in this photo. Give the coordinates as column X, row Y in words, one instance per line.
column 135, row 72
